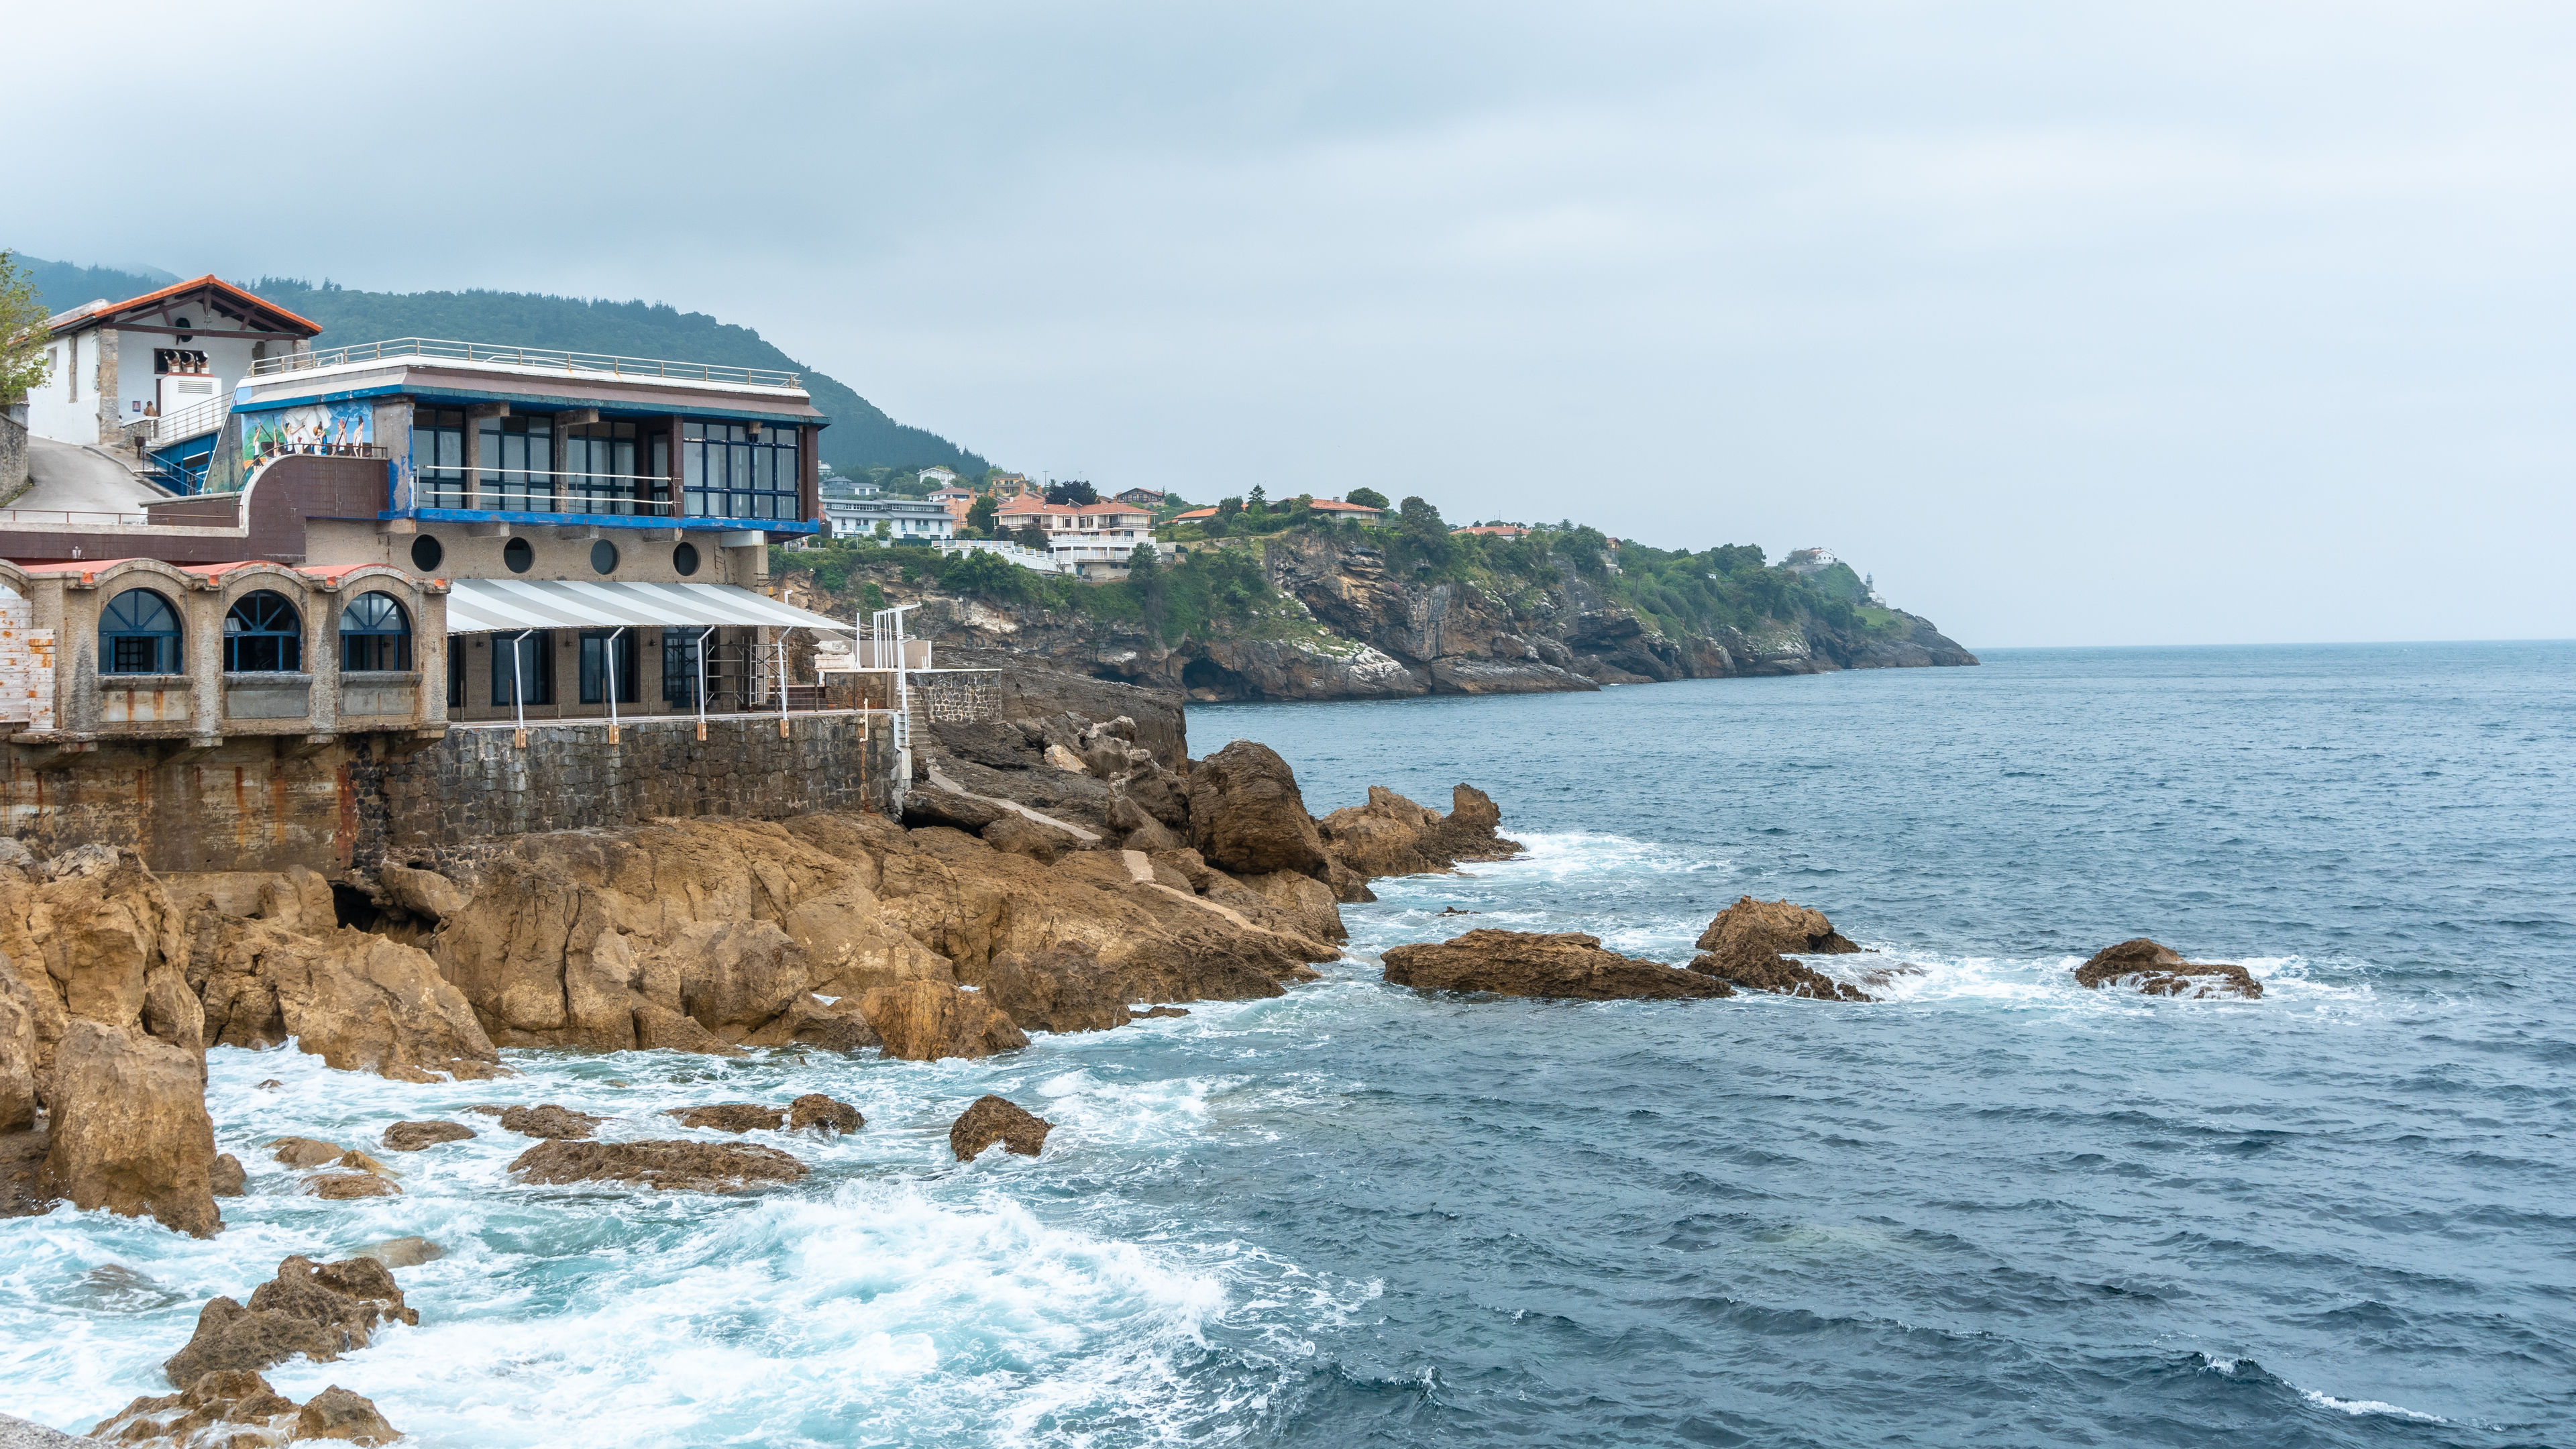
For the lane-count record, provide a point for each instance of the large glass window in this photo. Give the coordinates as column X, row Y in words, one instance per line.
column 536, row 672
column 263, row 635
column 732, row 471
column 599, row 466
column 375, row 633
column 438, row 457
column 138, row 633
column 598, row 652
column 518, row 463
column 680, row 667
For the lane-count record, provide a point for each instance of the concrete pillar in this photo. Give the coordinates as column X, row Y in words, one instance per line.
column 321, row 611
column 201, row 644
column 111, row 426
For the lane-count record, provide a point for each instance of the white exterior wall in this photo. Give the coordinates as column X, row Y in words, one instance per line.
column 66, row 407
column 137, row 384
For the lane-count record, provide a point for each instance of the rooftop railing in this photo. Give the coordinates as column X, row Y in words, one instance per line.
column 549, row 358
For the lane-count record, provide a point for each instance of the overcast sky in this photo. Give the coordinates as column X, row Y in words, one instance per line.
column 2073, row 323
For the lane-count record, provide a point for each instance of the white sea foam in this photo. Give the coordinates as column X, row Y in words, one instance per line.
column 2358, row 1407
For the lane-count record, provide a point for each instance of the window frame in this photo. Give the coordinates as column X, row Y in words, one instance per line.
column 363, row 643
column 270, row 650
column 538, row 669
column 166, row 652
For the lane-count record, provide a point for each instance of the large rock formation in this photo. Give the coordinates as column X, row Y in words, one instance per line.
column 1247, row 817
column 2157, row 970
column 673, row 1166
column 99, row 1018
column 359, row 1001
column 1565, row 964
column 320, row 1310
column 922, row 1021
column 1750, row 942
column 1391, row 835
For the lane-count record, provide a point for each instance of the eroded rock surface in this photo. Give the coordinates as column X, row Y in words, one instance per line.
column 816, row 1110
column 320, row 1310
column 997, row 1119
column 342, row 1186
column 923, row 1021
column 549, row 1120
column 1247, row 816
column 415, row 1136
column 2152, row 969
column 668, row 1165
column 1750, row 942
column 1391, row 835
column 1565, row 965
column 358, row 1001
column 731, row 1117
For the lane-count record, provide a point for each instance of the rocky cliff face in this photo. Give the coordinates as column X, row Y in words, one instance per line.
column 1351, row 628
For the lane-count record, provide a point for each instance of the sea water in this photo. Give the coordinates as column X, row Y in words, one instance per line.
column 1990, row 1208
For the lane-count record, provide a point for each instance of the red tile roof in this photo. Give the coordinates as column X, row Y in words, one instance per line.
column 76, row 319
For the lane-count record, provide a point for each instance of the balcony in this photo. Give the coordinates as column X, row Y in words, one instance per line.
column 544, row 359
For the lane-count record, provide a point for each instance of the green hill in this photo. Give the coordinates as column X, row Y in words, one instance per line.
column 860, row 436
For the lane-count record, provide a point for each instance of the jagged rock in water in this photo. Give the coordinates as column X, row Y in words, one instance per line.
column 1247, row 817
column 668, row 1165
column 336, row 1413
column 342, row 1186
column 1152, row 1012
column 923, row 1021
column 305, row 1151
column 1061, row 988
column 549, row 1120
column 1749, row 944
column 414, row 1136
column 995, row 1119
column 321, row 1310
column 228, row 1178
column 1391, row 835
column 816, row 1110
column 201, row 1414
column 2158, row 970
column 98, row 1023
column 404, row 1252
column 731, row 1117
column 1564, row 965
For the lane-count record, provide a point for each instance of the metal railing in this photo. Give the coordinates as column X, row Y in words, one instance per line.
column 551, row 358
column 188, row 422
column 32, row 518
column 530, row 490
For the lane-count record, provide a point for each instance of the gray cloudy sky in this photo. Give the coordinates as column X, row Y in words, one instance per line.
column 2074, row 323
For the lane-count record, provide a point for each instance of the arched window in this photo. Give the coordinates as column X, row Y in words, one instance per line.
column 375, row 633
column 263, row 635
column 139, row 634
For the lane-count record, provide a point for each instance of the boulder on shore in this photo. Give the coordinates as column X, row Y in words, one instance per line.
column 256, row 1413
column 1751, row 941
column 1060, row 988
column 357, row 1000
column 1563, row 965
column 922, row 1021
column 671, row 1166
column 1391, row 835
column 2159, row 970
column 305, row 1151
column 1247, row 817
column 997, row 1119
column 343, row 1186
column 320, row 1310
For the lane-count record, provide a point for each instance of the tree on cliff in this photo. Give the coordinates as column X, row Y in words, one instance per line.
column 26, row 347
column 1424, row 530
column 1075, row 492
column 1365, row 497
column 1153, row 592
column 983, row 515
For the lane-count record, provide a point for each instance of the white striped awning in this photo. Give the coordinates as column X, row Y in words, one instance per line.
column 506, row 606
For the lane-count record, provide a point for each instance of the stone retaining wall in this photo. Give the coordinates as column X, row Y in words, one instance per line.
column 343, row 806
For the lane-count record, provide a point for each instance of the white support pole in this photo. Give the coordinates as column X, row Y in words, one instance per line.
column 610, row 650
column 519, row 683
column 701, row 651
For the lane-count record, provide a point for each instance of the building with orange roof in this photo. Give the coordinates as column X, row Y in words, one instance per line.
column 117, row 365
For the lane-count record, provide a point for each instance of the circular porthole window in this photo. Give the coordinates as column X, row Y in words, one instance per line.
column 685, row 559
column 427, row 554
column 603, row 557
column 519, row 555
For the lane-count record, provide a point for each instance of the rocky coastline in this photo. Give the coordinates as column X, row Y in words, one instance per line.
column 1055, row 872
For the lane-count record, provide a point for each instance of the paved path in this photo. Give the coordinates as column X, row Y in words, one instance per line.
column 69, row 477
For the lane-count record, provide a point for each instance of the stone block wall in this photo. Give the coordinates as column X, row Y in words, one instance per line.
column 343, row 806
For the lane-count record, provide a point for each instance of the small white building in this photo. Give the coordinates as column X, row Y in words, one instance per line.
column 173, row 354
column 907, row 520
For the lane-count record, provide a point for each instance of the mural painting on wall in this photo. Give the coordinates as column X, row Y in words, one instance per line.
column 343, row 428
